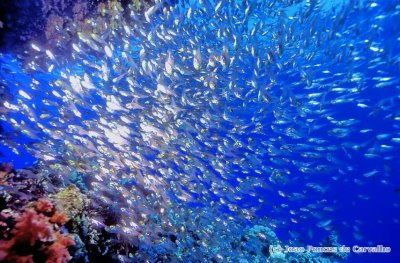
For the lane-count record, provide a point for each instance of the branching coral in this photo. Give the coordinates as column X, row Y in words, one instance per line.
column 58, row 252
column 32, row 227
column 35, row 237
column 59, row 218
column 44, row 206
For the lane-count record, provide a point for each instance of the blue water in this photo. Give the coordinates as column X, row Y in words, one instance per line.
column 363, row 207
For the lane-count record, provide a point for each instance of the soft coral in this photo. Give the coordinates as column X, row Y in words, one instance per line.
column 32, row 227
column 59, row 218
column 58, row 252
column 35, row 232
column 21, row 259
column 45, row 206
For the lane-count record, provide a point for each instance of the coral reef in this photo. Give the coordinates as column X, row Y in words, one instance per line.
column 44, row 206
column 71, row 201
column 332, row 241
column 42, row 220
column 53, row 17
column 34, row 237
column 4, row 170
column 32, row 229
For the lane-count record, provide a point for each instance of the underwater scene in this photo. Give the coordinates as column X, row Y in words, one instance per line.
column 200, row 131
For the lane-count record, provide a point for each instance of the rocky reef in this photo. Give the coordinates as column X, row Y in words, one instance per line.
column 43, row 221
column 32, row 229
column 51, row 18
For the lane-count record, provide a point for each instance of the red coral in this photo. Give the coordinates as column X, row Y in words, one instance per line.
column 31, row 227
column 34, row 230
column 59, row 218
column 21, row 259
column 65, row 240
column 58, row 252
column 5, row 247
column 44, row 206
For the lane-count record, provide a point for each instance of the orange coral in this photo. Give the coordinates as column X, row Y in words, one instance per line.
column 59, row 218
column 58, row 252
column 21, row 259
column 44, row 206
column 35, row 230
column 32, row 227
column 5, row 247
column 65, row 240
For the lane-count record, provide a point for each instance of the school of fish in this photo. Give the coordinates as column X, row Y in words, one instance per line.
column 220, row 105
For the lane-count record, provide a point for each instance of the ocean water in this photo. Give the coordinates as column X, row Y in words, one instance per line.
column 283, row 114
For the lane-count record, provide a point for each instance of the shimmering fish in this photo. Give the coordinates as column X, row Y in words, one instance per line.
column 239, row 108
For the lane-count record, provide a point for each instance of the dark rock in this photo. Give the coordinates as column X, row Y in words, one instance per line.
column 265, row 251
column 173, row 238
